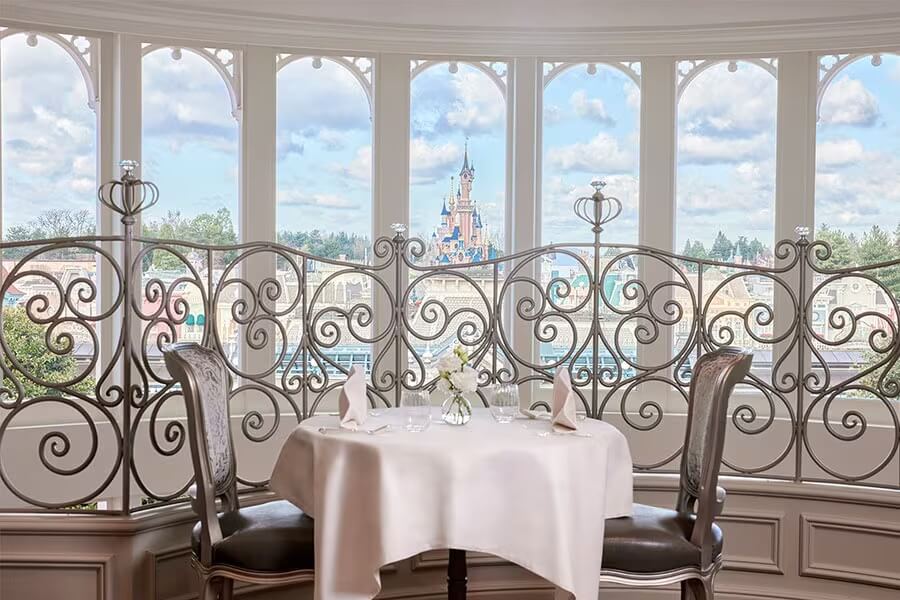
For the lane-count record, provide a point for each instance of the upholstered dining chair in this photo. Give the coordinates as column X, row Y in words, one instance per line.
column 270, row 543
column 658, row 546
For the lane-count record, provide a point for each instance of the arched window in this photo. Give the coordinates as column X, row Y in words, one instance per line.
column 726, row 160
column 190, row 143
column 49, row 136
column 324, row 137
column 458, row 159
column 857, row 212
column 324, row 170
column 591, row 129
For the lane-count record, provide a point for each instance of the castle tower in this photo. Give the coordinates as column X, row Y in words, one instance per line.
column 466, row 177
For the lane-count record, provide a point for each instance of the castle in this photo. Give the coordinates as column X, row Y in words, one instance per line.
column 461, row 237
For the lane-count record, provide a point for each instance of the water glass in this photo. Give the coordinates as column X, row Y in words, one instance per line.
column 505, row 402
column 417, row 409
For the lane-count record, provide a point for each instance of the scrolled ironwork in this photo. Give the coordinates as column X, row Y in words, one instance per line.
column 626, row 321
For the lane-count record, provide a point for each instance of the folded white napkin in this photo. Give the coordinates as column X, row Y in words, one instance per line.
column 352, row 402
column 565, row 400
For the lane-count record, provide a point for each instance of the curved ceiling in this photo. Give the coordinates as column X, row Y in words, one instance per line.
column 457, row 25
column 516, row 14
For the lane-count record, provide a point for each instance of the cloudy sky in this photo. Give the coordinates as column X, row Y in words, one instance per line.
column 726, row 155
column 591, row 130
column 446, row 109
column 726, row 144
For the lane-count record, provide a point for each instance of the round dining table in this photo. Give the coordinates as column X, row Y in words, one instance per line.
column 519, row 491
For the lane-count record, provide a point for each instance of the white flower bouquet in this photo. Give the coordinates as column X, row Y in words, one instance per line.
column 456, row 378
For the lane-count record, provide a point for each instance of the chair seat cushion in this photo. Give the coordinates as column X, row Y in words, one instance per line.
column 271, row 537
column 653, row 540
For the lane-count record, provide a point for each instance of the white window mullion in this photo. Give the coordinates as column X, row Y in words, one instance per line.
column 256, row 203
column 390, row 177
column 523, row 205
column 656, row 200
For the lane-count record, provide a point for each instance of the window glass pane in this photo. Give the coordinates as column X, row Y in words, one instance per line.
column 591, row 130
column 49, row 191
column 857, row 212
column 324, row 138
column 458, row 185
column 49, row 142
column 325, row 157
column 190, row 149
column 458, row 162
column 726, row 161
column 726, row 198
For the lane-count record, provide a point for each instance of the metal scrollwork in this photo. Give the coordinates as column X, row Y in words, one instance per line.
column 628, row 322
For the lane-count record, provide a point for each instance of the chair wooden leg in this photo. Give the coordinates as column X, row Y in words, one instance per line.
column 227, row 589
column 697, row 589
column 209, row 588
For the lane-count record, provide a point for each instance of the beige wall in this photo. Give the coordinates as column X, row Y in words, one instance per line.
column 783, row 541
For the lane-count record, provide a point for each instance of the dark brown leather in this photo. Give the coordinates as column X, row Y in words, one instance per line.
column 653, row 540
column 270, row 537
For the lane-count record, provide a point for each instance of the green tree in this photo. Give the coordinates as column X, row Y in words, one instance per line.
column 26, row 342
column 876, row 247
column 844, row 248
column 214, row 229
column 722, row 248
column 52, row 223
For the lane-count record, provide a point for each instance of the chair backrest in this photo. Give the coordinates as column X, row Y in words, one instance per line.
column 714, row 376
column 206, row 384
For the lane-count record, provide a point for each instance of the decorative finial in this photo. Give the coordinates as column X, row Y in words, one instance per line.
column 398, row 228
column 128, row 167
column 128, row 196
column 802, row 232
column 598, row 209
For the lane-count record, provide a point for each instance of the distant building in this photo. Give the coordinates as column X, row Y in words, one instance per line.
column 461, row 236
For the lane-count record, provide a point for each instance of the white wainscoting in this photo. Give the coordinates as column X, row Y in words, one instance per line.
column 783, row 541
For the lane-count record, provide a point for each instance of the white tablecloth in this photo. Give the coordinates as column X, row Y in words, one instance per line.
column 537, row 501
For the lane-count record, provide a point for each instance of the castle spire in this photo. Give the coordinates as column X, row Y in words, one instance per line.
column 465, row 166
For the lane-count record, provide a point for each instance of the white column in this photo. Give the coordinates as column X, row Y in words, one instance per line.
column 795, row 166
column 118, row 138
column 656, row 201
column 795, row 171
column 524, row 211
column 390, row 177
column 256, row 215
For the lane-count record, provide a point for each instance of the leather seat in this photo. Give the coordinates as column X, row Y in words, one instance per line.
column 653, row 540
column 275, row 536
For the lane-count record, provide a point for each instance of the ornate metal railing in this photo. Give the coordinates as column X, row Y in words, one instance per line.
column 87, row 405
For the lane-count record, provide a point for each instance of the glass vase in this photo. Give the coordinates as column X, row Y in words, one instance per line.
column 456, row 410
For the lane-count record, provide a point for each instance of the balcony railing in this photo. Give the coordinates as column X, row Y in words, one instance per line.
column 87, row 405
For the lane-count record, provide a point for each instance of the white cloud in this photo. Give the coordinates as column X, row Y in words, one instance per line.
column 601, row 155
column 589, row 108
column 478, row 105
column 294, row 197
column 838, row 153
column 360, row 168
column 48, row 132
column 431, row 162
column 329, row 97
column 721, row 103
column 552, row 114
column 705, row 149
column 848, row 102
